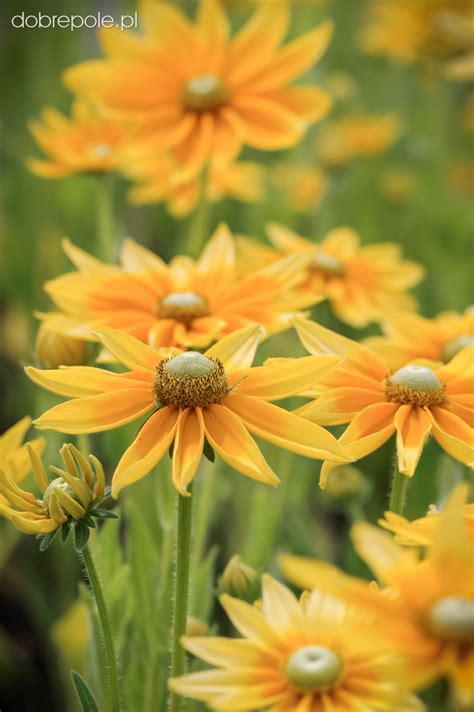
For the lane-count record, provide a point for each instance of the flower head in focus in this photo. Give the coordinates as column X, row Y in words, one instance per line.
column 185, row 304
column 71, row 499
column 309, row 655
column 340, row 142
column 194, row 89
column 414, row 402
column 411, row 336
column 87, row 142
column 362, row 284
column 14, row 459
column 426, row 606
column 196, row 403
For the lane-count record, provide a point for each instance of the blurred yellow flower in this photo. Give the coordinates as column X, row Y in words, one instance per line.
column 397, row 185
column 362, row 284
column 77, row 488
column 183, row 304
column 411, row 31
column 426, row 609
column 302, row 187
column 14, row 460
column 196, row 90
column 461, row 69
column 88, row 142
column 306, row 655
column 193, row 401
column 414, row 402
column 53, row 349
column 340, row 142
column 158, row 181
column 421, row 532
column 410, row 336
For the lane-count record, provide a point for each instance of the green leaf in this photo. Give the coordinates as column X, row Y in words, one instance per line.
column 81, row 535
column 46, row 540
column 209, row 452
column 86, row 697
column 65, row 530
column 104, row 514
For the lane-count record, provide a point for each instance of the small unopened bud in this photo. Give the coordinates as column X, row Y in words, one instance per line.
column 54, row 349
column 240, row 580
column 196, row 628
column 347, row 484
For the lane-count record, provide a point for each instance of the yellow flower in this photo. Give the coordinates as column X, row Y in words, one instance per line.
column 53, row 349
column 426, row 609
column 362, row 284
column 158, row 180
column 340, row 142
column 421, row 532
column 88, row 142
column 74, row 493
column 193, row 401
column 196, row 90
column 411, row 336
column 307, row 655
column 398, row 186
column 411, row 31
column 185, row 304
column 414, row 402
column 14, row 460
column 302, row 187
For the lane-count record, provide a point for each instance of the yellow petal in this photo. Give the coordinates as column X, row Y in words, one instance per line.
column 188, row 447
column 229, row 438
column 285, row 429
column 379, row 551
column 81, row 259
column 413, row 426
column 223, row 652
column 13, row 437
column 151, row 443
column 93, row 414
column 136, row 258
column 280, row 606
column 78, row 381
column 128, row 350
column 285, row 239
column 249, row 622
column 237, row 350
column 19, row 462
column 453, row 434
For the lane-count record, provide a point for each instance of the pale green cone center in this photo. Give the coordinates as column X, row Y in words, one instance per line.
column 420, row 378
column 182, row 300
column 191, row 364
column 328, row 264
column 452, row 619
column 313, row 669
column 57, row 483
column 182, row 306
column 454, row 346
column 204, row 92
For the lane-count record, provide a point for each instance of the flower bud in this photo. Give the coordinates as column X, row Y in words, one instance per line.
column 240, row 580
column 347, row 484
column 54, row 349
column 196, row 628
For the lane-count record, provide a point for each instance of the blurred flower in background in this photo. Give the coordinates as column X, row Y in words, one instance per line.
column 342, row 141
column 302, row 187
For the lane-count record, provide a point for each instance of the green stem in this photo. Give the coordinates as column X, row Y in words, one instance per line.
column 83, row 444
column 105, row 218
column 399, row 492
column 181, row 593
column 205, row 499
column 113, row 698
column 199, row 224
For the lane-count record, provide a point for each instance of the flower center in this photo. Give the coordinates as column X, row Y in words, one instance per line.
column 182, row 306
column 313, row 669
column 101, row 150
column 189, row 380
column 204, row 92
column 415, row 385
column 454, row 346
column 328, row 264
column 452, row 619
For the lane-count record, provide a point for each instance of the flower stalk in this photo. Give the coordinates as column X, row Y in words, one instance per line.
column 113, row 697
column 398, row 492
column 182, row 566
column 105, row 217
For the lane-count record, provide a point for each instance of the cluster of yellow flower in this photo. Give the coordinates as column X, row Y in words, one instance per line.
column 172, row 109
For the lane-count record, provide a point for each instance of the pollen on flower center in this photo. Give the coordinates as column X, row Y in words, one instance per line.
column 204, row 92
column 454, row 346
column 189, row 380
column 415, row 385
column 452, row 619
column 313, row 669
column 328, row 264
column 182, row 306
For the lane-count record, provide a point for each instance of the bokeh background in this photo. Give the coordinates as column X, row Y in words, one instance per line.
column 417, row 191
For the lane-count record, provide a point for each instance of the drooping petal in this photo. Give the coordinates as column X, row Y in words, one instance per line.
column 151, row 443
column 237, row 350
column 413, row 426
column 229, row 438
column 188, row 447
column 128, row 350
column 79, row 381
column 453, row 434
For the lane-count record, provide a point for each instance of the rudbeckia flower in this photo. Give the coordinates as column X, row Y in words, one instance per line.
column 414, row 402
column 14, row 460
column 185, row 304
column 412, row 31
column 421, row 532
column 411, row 336
column 306, row 655
column 425, row 609
column 362, row 284
column 340, row 142
column 157, row 181
column 191, row 399
column 194, row 89
column 87, row 142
